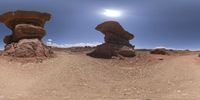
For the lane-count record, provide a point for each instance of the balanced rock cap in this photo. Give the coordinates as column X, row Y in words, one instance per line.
column 11, row 19
column 114, row 27
column 26, row 31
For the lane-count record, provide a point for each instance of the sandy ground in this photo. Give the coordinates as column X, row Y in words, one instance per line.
column 75, row 76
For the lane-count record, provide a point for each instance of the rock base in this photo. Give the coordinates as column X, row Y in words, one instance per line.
column 27, row 48
column 108, row 50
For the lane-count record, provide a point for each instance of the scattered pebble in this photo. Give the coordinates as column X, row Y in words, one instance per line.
column 178, row 91
column 1, row 97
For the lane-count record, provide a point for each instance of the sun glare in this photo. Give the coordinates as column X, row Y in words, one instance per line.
column 112, row 13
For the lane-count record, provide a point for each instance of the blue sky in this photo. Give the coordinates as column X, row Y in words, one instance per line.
column 155, row 23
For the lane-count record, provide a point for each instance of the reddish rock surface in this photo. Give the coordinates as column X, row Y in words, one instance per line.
column 27, row 32
column 113, row 27
column 27, row 48
column 11, row 19
column 8, row 39
column 116, row 41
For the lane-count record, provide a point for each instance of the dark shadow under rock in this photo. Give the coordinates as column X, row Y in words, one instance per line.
column 108, row 51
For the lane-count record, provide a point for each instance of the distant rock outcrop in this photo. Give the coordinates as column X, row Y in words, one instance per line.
column 27, row 31
column 116, row 41
column 161, row 51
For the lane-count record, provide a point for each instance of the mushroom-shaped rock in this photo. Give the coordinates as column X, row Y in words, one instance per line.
column 116, row 41
column 113, row 27
column 11, row 19
column 27, row 33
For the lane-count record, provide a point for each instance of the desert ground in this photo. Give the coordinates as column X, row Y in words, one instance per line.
column 72, row 75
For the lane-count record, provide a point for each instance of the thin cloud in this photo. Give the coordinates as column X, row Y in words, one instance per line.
column 92, row 44
column 161, row 47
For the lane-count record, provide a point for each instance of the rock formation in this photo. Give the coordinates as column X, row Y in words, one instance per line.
column 161, row 51
column 27, row 31
column 116, row 41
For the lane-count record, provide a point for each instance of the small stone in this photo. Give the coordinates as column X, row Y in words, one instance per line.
column 1, row 96
column 160, row 59
column 178, row 91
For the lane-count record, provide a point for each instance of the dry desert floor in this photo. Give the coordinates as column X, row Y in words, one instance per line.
column 75, row 76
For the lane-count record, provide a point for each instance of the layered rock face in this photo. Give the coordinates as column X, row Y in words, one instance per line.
column 27, row 31
column 116, row 41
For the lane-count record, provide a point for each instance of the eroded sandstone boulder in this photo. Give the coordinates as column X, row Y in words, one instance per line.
column 27, row 48
column 116, row 41
column 27, row 33
column 113, row 27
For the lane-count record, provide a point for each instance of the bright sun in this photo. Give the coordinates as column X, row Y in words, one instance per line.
column 112, row 13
